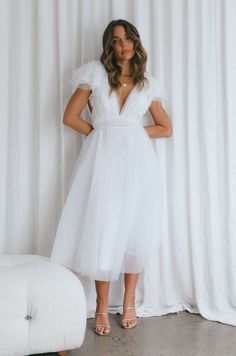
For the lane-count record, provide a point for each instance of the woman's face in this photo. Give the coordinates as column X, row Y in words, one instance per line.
column 122, row 45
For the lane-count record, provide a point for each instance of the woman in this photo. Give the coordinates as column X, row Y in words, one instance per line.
column 111, row 222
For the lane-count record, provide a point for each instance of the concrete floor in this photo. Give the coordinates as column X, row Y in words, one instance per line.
column 175, row 334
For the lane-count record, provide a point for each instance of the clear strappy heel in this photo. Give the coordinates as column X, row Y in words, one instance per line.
column 123, row 324
column 106, row 325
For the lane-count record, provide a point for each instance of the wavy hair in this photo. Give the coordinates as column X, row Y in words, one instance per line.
column 137, row 62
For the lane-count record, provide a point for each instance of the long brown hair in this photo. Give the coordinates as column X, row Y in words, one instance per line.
column 137, row 62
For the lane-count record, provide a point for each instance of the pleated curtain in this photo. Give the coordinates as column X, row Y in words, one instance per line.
column 191, row 47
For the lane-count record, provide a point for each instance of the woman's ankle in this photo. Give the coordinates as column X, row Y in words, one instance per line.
column 129, row 300
column 101, row 303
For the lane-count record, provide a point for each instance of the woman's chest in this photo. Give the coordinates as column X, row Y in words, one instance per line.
column 133, row 101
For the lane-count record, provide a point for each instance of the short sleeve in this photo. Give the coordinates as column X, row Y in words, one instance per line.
column 83, row 77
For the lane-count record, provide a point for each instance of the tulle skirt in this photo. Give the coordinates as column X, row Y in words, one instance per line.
column 112, row 220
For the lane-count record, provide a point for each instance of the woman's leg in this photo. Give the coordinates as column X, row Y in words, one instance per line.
column 130, row 282
column 102, row 289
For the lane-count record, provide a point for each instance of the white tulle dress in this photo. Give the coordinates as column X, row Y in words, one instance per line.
column 112, row 219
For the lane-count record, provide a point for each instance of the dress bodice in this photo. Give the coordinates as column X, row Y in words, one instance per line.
column 92, row 75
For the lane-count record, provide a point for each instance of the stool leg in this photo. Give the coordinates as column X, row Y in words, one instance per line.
column 62, row 353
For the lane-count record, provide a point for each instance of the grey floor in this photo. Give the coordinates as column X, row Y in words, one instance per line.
column 175, row 334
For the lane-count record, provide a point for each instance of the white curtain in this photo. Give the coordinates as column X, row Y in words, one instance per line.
column 192, row 50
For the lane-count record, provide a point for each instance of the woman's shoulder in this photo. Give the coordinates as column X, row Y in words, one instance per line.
column 86, row 66
column 153, row 80
column 89, row 73
column 94, row 69
column 92, row 65
column 154, row 88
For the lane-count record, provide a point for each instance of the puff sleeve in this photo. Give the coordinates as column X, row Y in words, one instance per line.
column 83, row 77
column 156, row 92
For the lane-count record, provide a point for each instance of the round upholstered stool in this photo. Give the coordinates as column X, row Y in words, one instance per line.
column 42, row 306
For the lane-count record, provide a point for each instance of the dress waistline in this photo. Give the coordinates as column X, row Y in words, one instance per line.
column 117, row 122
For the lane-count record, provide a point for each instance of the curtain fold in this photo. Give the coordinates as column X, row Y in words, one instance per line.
column 191, row 47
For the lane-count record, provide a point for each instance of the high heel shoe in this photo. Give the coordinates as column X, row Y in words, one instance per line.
column 106, row 325
column 123, row 324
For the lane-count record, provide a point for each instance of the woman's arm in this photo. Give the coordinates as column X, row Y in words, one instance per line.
column 163, row 125
column 74, row 108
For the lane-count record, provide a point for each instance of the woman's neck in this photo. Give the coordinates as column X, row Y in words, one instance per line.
column 125, row 65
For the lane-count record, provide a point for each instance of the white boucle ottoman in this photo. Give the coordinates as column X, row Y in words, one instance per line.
column 42, row 306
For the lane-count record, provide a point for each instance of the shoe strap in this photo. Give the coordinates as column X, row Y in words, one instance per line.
column 129, row 319
column 104, row 313
column 127, row 308
column 108, row 325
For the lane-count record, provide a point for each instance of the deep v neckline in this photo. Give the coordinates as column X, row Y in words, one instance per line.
column 120, row 110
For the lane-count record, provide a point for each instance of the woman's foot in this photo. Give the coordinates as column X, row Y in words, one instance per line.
column 101, row 322
column 128, row 319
